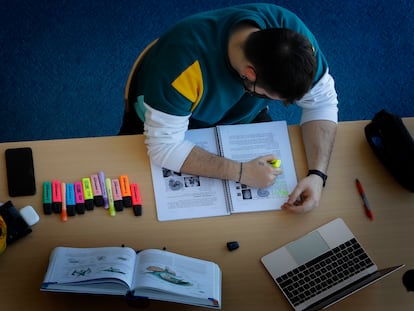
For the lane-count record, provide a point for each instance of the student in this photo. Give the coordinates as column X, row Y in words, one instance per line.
column 225, row 67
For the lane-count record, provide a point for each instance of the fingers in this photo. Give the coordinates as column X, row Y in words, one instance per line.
column 260, row 173
column 273, row 162
column 296, row 203
column 304, row 197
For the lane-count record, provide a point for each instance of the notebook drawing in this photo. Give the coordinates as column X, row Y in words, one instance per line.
column 322, row 267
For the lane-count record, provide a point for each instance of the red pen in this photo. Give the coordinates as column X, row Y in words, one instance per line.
column 361, row 191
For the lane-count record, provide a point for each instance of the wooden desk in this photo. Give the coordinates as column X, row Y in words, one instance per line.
column 246, row 284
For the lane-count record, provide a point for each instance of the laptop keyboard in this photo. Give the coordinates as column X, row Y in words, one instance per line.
column 323, row 272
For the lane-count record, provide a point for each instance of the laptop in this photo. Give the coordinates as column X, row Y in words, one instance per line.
column 322, row 267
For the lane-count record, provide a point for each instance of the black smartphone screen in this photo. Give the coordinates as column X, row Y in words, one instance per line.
column 20, row 172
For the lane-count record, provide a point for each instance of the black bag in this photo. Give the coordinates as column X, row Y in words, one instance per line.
column 393, row 145
column 17, row 227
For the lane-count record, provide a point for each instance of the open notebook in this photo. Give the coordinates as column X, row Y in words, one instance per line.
column 322, row 267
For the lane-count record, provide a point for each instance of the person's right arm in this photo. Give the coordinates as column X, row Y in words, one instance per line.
column 256, row 173
column 168, row 148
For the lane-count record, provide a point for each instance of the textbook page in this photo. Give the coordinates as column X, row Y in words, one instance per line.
column 163, row 275
column 104, row 270
column 245, row 142
column 182, row 196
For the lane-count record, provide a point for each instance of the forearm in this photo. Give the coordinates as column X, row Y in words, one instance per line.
column 256, row 173
column 203, row 163
column 318, row 138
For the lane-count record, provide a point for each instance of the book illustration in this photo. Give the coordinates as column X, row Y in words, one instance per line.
column 81, row 272
column 277, row 190
column 168, row 275
column 176, row 181
column 162, row 271
column 87, row 266
column 114, row 270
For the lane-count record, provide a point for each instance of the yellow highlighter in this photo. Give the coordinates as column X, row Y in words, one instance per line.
column 276, row 163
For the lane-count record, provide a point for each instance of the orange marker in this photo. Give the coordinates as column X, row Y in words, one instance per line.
column 64, row 213
column 125, row 190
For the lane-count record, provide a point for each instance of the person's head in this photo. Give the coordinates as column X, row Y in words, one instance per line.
column 283, row 62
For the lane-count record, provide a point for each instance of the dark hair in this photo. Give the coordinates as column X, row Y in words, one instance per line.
column 284, row 61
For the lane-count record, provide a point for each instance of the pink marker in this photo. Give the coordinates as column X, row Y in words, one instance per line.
column 117, row 195
column 56, row 197
column 97, row 191
column 79, row 198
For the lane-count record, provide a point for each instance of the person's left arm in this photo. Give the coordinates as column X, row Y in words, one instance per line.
column 318, row 138
column 319, row 124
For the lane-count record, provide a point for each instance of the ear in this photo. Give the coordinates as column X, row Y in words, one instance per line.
column 249, row 73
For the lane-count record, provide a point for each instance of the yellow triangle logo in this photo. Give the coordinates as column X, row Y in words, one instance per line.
column 190, row 84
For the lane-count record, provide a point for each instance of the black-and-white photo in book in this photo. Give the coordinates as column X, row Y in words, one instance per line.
column 182, row 196
column 149, row 274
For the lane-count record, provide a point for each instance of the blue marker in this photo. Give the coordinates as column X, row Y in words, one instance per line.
column 70, row 200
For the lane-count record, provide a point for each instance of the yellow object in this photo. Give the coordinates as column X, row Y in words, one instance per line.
column 3, row 235
column 276, row 163
column 190, row 84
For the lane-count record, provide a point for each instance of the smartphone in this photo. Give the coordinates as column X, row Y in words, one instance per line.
column 20, row 172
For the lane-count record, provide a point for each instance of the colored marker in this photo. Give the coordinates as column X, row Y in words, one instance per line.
column 108, row 186
column 56, row 197
column 125, row 190
column 47, row 198
column 79, row 199
column 136, row 200
column 101, row 176
column 70, row 200
column 97, row 191
column 87, row 193
column 276, row 163
column 117, row 196
column 64, row 213
column 361, row 191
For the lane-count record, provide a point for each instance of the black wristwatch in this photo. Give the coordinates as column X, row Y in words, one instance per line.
column 320, row 174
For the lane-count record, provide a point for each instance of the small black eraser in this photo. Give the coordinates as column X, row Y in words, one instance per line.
column 231, row 246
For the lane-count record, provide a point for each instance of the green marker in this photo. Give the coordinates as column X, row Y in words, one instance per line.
column 47, row 197
column 108, row 185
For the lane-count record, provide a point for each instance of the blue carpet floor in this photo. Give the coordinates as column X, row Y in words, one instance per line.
column 64, row 63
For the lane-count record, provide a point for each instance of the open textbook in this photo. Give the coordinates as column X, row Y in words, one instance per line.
column 148, row 274
column 181, row 196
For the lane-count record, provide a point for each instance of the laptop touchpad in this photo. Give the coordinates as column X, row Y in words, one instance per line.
column 307, row 247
